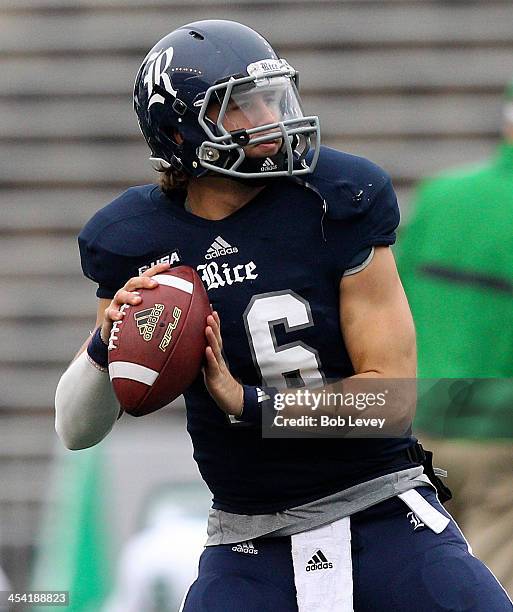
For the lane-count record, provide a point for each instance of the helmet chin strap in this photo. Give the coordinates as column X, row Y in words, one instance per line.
column 265, row 166
column 262, row 167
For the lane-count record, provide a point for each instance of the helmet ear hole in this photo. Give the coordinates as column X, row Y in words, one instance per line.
column 196, row 35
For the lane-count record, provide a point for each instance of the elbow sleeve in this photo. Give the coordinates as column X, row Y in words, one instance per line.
column 85, row 405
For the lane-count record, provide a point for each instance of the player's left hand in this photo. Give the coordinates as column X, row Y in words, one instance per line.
column 222, row 386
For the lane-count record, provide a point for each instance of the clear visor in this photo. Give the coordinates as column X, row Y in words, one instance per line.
column 262, row 103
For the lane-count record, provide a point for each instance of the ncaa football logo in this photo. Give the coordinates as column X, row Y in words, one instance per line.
column 158, row 63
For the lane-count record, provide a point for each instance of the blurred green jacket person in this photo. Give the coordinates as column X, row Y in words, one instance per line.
column 455, row 258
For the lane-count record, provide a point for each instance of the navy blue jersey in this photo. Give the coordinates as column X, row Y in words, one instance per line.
column 272, row 270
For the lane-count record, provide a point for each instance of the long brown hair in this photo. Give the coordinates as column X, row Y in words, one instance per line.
column 171, row 179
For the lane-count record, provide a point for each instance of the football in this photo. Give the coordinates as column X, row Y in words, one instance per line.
column 157, row 349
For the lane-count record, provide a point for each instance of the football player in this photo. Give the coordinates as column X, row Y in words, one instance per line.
column 292, row 242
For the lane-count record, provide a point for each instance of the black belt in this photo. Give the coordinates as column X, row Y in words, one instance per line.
column 417, row 454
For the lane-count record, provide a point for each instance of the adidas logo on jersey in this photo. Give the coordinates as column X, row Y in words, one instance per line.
column 220, row 247
column 268, row 165
column 262, row 395
column 246, row 548
column 318, row 562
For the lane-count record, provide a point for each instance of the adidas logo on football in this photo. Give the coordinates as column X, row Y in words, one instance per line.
column 147, row 320
column 220, row 247
column 318, row 562
column 246, row 548
column 268, row 165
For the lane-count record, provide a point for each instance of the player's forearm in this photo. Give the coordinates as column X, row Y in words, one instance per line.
column 388, row 372
column 85, row 405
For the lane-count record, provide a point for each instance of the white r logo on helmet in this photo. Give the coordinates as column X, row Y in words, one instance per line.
column 158, row 63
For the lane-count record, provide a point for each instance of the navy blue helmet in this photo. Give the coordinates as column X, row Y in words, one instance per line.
column 197, row 74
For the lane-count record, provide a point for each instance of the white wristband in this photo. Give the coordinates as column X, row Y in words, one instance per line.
column 85, row 405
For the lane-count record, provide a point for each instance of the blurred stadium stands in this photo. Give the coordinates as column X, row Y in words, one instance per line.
column 415, row 85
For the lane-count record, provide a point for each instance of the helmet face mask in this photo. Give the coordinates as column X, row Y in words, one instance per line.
column 238, row 114
column 256, row 110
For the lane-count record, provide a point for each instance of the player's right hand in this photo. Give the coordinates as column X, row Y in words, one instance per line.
column 128, row 294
